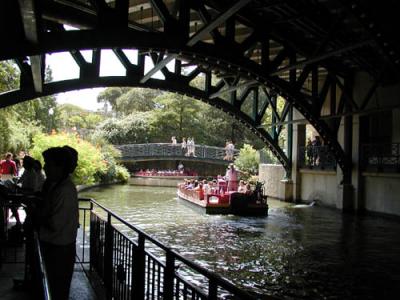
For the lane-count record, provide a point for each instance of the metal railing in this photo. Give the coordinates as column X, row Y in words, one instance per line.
column 381, row 157
column 39, row 274
column 21, row 246
column 316, row 157
column 165, row 150
column 134, row 265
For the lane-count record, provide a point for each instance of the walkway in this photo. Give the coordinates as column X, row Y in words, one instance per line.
column 165, row 151
column 81, row 288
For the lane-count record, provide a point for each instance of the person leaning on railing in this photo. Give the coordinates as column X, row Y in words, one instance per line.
column 58, row 219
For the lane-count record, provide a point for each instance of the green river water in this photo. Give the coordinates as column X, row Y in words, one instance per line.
column 294, row 253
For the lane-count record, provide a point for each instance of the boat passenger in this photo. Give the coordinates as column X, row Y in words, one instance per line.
column 206, row 187
column 190, row 185
column 242, row 187
column 248, row 189
column 214, row 187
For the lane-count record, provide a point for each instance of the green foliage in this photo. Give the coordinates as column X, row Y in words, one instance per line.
column 248, row 161
column 90, row 158
column 20, row 122
column 134, row 128
column 137, row 99
column 176, row 115
column 266, row 157
column 95, row 163
column 124, row 101
column 9, row 78
column 72, row 116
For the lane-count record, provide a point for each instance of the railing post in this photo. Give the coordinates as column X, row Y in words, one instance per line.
column 108, row 257
column 169, row 274
column 212, row 289
column 138, row 269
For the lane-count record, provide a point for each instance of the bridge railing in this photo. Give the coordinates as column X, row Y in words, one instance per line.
column 171, row 150
column 381, row 157
column 134, row 265
column 316, row 157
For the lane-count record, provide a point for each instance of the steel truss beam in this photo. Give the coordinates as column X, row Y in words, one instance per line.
column 254, row 62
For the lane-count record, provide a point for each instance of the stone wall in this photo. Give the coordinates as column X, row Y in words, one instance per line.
column 272, row 175
column 320, row 186
column 382, row 193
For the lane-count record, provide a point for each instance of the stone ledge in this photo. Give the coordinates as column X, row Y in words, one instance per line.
column 376, row 174
column 313, row 171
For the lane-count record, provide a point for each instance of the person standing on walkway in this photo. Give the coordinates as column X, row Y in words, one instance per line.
column 58, row 219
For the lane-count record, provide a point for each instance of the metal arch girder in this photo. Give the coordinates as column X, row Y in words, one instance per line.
column 171, row 85
column 72, row 40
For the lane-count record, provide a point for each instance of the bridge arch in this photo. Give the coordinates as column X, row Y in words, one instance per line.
column 178, row 83
column 231, row 41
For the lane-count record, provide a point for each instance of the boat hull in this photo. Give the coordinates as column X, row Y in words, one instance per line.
column 235, row 203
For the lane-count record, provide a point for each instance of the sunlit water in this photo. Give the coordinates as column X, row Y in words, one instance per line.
column 294, row 253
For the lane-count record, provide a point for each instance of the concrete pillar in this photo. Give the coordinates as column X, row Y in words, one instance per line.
column 299, row 139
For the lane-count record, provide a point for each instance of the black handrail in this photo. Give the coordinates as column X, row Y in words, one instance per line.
column 381, row 157
column 41, row 273
column 215, row 280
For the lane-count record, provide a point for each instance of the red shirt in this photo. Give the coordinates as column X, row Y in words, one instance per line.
column 8, row 167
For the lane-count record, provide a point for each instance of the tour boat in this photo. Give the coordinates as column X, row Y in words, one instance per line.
column 253, row 204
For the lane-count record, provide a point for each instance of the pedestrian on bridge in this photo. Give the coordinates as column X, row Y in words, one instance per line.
column 184, row 146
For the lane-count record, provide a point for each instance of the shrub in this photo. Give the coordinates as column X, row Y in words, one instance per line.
column 247, row 161
column 95, row 163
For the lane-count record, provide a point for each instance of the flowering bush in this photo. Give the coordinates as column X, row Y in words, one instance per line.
column 93, row 162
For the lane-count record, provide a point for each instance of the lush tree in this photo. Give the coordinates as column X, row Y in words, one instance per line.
column 178, row 116
column 248, row 161
column 72, row 116
column 42, row 111
column 136, row 99
column 133, row 128
column 110, row 96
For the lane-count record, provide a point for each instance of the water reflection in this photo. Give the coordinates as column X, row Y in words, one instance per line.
column 294, row 253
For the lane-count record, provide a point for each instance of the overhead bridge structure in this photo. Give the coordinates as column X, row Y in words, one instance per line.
column 332, row 64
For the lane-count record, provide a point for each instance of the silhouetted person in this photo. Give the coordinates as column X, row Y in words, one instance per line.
column 58, row 219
